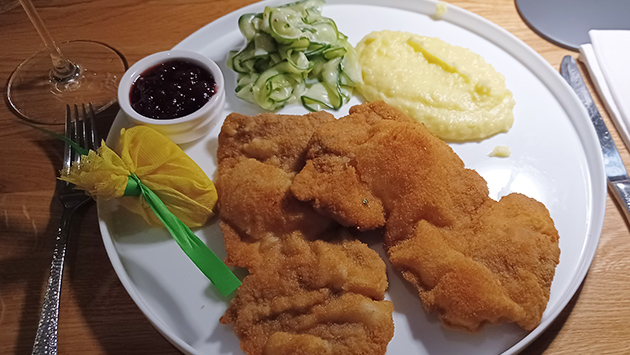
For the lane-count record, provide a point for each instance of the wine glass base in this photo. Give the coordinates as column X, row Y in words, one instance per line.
column 36, row 97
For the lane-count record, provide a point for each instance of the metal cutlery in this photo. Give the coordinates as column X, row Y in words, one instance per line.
column 79, row 128
column 616, row 174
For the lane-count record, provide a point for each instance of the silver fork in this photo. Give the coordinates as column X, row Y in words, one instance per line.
column 79, row 128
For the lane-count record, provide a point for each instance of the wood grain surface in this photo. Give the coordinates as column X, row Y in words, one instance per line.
column 97, row 315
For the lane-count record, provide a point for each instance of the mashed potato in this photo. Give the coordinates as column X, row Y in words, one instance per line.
column 500, row 151
column 440, row 10
column 453, row 91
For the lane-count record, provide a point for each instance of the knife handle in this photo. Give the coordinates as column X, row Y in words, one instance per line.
column 621, row 191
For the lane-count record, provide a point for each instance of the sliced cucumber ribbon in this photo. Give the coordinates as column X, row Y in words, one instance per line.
column 294, row 54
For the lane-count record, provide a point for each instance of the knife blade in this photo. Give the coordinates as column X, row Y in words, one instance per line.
column 616, row 173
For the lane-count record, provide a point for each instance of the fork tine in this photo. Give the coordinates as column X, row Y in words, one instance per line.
column 67, row 151
column 85, row 134
column 77, row 133
column 93, row 136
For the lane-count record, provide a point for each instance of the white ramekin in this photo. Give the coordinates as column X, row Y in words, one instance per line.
column 182, row 129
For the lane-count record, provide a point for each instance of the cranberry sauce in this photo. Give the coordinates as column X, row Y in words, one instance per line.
column 172, row 89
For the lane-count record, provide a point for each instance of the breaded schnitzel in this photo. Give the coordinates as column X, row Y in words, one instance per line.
column 314, row 297
column 498, row 267
column 312, row 288
column 257, row 211
column 258, row 157
column 474, row 260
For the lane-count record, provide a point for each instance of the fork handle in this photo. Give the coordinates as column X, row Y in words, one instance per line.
column 46, row 338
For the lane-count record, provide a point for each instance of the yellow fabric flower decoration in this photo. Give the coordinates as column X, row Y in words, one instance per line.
column 161, row 166
column 153, row 177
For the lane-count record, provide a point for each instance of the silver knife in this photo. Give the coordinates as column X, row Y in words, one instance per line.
column 616, row 174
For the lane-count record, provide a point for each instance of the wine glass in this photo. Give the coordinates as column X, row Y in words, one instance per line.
column 72, row 72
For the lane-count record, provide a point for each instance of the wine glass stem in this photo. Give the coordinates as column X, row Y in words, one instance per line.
column 63, row 69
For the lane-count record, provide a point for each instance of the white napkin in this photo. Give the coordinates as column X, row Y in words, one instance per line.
column 608, row 61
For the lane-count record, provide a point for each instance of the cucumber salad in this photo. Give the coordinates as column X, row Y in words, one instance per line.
column 293, row 53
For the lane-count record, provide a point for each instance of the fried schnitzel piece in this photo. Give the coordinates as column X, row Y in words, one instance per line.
column 258, row 157
column 339, row 193
column 312, row 289
column 257, row 210
column 390, row 159
column 474, row 260
column 314, row 297
column 497, row 268
column 278, row 140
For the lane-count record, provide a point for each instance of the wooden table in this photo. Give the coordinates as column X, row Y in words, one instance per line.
column 97, row 315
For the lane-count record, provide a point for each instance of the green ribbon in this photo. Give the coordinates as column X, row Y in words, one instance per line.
column 211, row 266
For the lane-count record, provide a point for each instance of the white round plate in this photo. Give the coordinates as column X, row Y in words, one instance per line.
column 555, row 159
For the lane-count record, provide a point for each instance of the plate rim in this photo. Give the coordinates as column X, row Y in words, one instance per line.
column 501, row 38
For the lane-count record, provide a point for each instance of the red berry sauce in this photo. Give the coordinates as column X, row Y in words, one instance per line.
column 172, row 89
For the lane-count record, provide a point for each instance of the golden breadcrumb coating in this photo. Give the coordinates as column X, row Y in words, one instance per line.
column 258, row 157
column 314, row 297
column 312, row 288
column 474, row 260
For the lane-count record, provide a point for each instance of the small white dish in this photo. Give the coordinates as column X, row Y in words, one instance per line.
column 181, row 129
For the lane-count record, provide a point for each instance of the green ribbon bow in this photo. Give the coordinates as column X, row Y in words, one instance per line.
column 211, row 266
